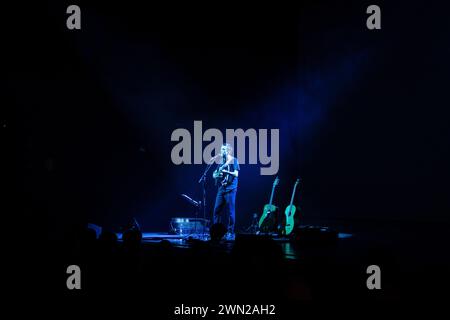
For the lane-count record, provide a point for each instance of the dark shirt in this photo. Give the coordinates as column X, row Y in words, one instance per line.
column 230, row 182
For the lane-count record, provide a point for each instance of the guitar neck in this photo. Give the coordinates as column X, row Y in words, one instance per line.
column 271, row 195
column 293, row 194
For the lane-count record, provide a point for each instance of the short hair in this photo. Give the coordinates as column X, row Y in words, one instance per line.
column 229, row 147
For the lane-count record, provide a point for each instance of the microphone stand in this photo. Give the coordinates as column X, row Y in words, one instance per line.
column 202, row 180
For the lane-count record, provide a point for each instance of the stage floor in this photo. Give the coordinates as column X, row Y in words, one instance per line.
column 289, row 249
column 411, row 256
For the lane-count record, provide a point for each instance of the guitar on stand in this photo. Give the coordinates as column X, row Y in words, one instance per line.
column 267, row 222
column 290, row 212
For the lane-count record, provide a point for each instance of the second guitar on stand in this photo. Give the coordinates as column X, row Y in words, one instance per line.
column 290, row 212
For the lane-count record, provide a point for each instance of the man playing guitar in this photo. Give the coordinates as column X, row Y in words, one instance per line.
column 226, row 175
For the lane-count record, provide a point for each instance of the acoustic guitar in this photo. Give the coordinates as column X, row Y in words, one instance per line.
column 290, row 212
column 269, row 209
column 219, row 173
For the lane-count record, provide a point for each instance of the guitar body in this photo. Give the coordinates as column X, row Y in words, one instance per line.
column 289, row 212
column 218, row 174
column 267, row 211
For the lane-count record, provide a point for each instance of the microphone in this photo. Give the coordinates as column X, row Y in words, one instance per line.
column 190, row 200
column 214, row 158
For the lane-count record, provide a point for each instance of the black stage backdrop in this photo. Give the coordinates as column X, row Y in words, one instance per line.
column 362, row 114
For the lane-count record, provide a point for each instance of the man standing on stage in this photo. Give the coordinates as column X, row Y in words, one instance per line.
column 226, row 176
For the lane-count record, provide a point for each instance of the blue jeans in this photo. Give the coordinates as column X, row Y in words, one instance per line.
column 224, row 208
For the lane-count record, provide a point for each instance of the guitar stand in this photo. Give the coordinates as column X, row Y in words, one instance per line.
column 253, row 228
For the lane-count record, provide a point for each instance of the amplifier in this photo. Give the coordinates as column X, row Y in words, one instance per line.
column 186, row 226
